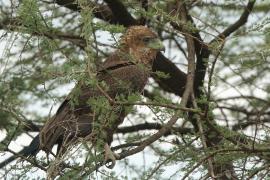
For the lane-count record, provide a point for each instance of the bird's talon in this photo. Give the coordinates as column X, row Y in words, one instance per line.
column 110, row 157
column 117, row 156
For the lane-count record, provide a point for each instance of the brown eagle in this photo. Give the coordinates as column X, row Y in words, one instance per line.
column 124, row 72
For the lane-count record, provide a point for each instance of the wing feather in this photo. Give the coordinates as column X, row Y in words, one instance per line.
column 121, row 77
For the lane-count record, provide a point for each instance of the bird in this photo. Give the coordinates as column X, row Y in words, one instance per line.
column 124, row 72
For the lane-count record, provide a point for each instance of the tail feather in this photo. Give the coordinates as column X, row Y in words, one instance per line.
column 27, row 151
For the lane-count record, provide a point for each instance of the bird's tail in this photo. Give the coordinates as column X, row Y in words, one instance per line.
column 30, row 150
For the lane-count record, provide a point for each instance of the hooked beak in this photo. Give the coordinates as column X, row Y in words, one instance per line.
column 156, row 44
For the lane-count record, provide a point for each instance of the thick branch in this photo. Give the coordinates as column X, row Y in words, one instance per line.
column 240, row 22
column 100, row 11
column 152, row 126
column 70, row 4
column 120, row 12
column 201, row 49
column 176, row 81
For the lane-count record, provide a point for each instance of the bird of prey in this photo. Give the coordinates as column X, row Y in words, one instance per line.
column 124, row 72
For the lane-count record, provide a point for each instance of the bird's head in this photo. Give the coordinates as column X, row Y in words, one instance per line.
column 141, row 44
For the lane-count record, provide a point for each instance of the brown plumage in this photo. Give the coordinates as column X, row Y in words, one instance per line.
column 124, row 72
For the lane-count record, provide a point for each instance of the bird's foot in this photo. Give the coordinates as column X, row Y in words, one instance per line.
column 110, row 157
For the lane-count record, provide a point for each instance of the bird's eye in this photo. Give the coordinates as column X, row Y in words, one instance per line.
column 146, row 39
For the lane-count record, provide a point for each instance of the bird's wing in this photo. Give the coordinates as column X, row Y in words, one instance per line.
column 74, row 116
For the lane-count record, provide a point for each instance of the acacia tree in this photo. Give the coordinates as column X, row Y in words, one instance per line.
column 205, row 110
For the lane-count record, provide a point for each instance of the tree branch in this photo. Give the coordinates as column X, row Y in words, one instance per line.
column 240, row 22
column 151, row 126
column 120, row 12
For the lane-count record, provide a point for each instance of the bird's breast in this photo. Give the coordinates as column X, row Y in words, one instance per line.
column 131, row 78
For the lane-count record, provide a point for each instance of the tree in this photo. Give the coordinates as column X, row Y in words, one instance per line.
column 216, row 66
